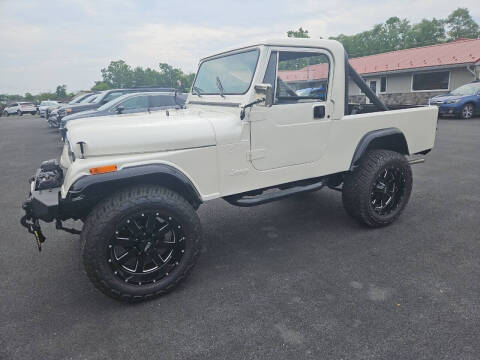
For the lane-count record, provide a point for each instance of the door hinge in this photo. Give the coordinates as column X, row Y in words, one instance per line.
column 256, row 154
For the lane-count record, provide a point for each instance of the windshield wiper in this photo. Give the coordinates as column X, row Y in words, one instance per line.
column 197, row 91
column 220, row 87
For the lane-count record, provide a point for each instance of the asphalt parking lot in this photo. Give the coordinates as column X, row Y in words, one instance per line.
column 296, row 279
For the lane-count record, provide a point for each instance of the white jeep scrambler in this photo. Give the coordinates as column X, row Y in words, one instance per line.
column 261, row 122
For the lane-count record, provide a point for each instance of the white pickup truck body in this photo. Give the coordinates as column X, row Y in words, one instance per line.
column 223, row 155
column 262, row 122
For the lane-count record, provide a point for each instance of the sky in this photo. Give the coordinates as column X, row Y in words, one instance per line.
column 45, row 43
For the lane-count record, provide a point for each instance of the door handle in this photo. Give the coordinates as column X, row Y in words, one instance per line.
column 319, row 112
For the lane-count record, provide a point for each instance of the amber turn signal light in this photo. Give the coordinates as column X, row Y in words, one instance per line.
column 103, row 169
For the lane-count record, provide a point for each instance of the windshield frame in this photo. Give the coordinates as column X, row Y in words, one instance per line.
column 259, row 53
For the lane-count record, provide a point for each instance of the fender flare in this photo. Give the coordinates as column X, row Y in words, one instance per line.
column 399, row 143
column 90, row 189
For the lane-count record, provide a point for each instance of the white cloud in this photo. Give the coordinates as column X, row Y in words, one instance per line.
column 182, row 45
column 69, row 41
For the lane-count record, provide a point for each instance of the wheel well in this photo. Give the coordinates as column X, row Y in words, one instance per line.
column 386, row 139
column 88, row 191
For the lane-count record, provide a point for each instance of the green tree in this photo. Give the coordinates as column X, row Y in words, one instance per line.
column 100, row 86
column 29, row 97
column 169, row 75
column 61, row 92
column 118, row 74
column 300, row 33
column 428, row 32
column 461, row 25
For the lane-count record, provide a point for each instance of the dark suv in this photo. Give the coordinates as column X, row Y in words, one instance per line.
column 131, row 103
column 101, row 99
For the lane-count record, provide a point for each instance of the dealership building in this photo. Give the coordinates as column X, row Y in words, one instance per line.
column 412, row 76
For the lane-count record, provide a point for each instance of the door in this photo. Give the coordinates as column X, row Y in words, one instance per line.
column 373, row 86
column 295, row 130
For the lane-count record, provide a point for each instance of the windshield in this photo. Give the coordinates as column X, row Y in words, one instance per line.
column 229, row 75
column 88, row 99
column 47, row 103
column 114, row 102
column 77, row 98
column 469, row 89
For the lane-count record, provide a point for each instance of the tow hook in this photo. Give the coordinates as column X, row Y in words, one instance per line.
column 32, row 224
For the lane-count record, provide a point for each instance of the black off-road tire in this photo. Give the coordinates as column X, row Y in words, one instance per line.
column 100, row 227
column 359, row 185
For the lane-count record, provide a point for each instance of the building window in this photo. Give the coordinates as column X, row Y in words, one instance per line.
column 431, row 81
column 383, row 84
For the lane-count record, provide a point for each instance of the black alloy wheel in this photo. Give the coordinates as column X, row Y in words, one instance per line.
column 146, row 247
column 388, row 190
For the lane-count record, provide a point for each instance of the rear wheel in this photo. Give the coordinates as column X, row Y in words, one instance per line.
column 19, row 113
column 141, row 243
column 467, row 111
column 378, row 190
column 5, row 113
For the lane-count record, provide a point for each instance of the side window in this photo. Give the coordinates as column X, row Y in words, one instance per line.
column 137, row 102
column 162, row 100
column 112, row 96
column 302, row 76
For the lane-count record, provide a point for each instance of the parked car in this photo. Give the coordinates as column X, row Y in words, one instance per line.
column 103, row 98
column 76, row 100
column 20, row 108
column 463, row 101
column 54, row 118
column 44, row 105
column 137, row 180
column 129, row 104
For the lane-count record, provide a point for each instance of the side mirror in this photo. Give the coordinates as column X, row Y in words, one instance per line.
column 120, row 109
column 264, row 91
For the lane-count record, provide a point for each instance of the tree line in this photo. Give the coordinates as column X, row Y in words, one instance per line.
column 393, row 34
column 397, row 34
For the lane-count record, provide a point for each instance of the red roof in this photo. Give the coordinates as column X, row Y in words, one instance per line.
column 462, row 51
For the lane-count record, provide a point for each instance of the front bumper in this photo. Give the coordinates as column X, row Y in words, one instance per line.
column 449, row 109
column 43, row 199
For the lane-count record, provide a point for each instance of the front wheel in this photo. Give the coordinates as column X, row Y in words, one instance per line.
column 467, row 111
column 5, row 113
column 141, row 243
column 19, row 113
column 378, row 190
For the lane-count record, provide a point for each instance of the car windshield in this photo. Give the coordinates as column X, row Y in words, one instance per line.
column 76, row 99
column 229, row 75
column 88, row 99
column 469, row 89
column 114, row 102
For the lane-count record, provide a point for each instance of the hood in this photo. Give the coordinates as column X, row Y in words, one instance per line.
column 144, row 132
column 78, row 107
column 442, row 98
column 80, row 115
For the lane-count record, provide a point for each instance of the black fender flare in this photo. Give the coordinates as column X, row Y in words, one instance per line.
column 90, row 189
column 388, row 139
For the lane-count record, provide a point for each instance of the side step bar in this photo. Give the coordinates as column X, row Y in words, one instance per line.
column 246, row 200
